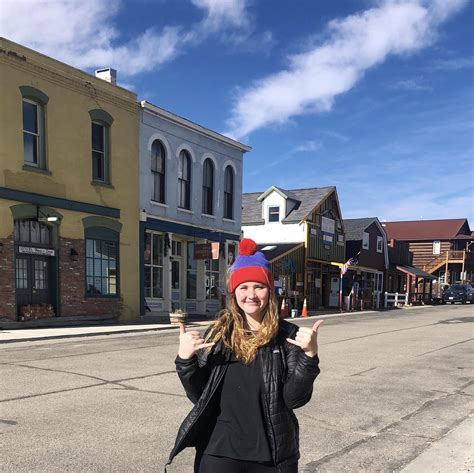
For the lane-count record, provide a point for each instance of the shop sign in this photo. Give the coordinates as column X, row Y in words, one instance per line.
column 328, row 225
column 203, row 251
column 30, row 250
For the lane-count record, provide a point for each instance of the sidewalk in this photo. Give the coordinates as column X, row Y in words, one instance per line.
column 38, row 334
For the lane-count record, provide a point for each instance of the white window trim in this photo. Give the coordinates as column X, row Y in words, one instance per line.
column 365, row 241
column 159, row 204
column 437, row 243
column 268, row 213
column 39, row 136
column 379, row 241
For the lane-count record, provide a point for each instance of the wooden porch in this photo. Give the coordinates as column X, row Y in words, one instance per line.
column 449, row 257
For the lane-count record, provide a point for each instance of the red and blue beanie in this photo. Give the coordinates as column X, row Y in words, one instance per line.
column 250, row 266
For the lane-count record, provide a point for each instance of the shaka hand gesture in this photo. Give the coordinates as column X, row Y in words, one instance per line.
column 307, row 339
column 190, row 342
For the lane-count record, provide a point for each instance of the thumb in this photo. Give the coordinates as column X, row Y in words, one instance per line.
column 182, row 328
column 317, row 324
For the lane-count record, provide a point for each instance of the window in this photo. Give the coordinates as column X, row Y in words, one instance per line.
column 101, row 267
column 101, row 123
column 212, row 278
column 208, row 187
column 365, row 241
column 437, row 247
column 184, row 180
column 99, row 158
column 273, row 214
column 32, row 231
column 229, row 193
column 34, row 105
column 191, row 272
column 379, row 244
column 176, row 248
column 32, row 133
column 153, row 259
column 158, row 163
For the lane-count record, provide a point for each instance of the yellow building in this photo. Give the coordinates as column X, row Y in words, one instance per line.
column 68, row 190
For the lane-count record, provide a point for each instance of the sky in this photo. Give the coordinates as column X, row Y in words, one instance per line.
column 374, row 97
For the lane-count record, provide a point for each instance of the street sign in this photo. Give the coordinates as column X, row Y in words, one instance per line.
column 30, row 250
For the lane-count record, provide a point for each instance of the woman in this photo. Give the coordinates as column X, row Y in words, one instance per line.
column 245, row 377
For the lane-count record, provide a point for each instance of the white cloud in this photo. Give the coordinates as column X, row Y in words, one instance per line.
column 308, row 146
column 355, row 44
column 415, row 84
column 453, row 64
column 83, row 33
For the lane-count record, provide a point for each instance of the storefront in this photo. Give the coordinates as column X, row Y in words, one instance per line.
column 362, row 288
column 184, row 267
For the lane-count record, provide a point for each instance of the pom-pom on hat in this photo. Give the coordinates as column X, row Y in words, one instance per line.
column 250, row 266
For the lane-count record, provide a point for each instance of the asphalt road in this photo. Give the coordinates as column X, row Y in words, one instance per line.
column 391, row 386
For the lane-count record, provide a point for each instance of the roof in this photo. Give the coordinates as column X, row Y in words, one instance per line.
column 308, row 199
column 284, row 193
column 425, row 229
column 415, row 272
column 354, row 227
column 275, row 250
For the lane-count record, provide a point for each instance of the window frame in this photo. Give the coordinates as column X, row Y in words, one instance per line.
column 436, row 247
column 379, row 242
column 39, row 135
column 229, row 193
column 102, row 234
column 365, row 241
column 184, row 184
column 105, row 152
column 270, row 212
column 152, row 265
column 208, row 272
column 190, row 245
column 160, row 175
column 208, row 173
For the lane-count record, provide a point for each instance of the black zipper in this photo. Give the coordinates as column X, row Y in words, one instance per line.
column 267, row 410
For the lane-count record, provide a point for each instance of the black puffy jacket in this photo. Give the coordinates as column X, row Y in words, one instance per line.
column 288, row 376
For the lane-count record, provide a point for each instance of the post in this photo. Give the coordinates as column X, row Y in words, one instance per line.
column 385, row 301
column 395, row 304
column 463, row 279
column 340, row 291
column 446, row 276
column 424, row 290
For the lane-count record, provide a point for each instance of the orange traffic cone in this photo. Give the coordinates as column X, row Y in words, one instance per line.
column 305, row 309
column 284, row 308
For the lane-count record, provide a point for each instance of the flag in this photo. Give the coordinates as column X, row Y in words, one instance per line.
column 349, row 262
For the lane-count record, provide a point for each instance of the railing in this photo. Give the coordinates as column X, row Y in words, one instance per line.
column 393, row 299
column 447, row 256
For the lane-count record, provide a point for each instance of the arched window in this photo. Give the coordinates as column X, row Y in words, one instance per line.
column 208, row 187
column 34, row 137
column 229, row 193
column 184, row 180
column 158, row 165
column 101, row 122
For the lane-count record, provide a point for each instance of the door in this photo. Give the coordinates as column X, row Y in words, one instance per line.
column 176, row 283
column 334, row 294
column 33, row 275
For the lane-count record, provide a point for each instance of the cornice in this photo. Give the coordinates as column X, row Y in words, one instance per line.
column 74, row 83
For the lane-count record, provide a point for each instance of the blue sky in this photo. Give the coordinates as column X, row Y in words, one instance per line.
column 375, row 97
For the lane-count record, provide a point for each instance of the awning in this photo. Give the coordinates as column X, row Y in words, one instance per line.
column 415, row 272
column 274, row 251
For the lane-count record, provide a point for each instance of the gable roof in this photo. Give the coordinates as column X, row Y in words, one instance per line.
column 284, row 193
column 425, row 229
column 355, row 227
column 308, row 199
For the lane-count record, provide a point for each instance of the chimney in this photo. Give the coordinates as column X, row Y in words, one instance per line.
column 108, row 74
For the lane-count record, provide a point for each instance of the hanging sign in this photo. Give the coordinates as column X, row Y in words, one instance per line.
column 206, row 251
column 30, row 250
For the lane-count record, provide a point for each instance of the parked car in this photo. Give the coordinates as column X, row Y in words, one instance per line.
column 458, row 293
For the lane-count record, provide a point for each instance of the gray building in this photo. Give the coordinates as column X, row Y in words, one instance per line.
column 190, row 212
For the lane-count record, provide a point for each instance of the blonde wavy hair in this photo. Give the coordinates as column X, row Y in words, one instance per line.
column 231, row 327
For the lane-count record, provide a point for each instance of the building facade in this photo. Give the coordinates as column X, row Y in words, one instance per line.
column 302, row 233
column 190, row 212
column 442, row 248
column 68, row 191
column 366, row 242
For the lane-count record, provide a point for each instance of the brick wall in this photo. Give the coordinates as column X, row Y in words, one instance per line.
column 72, row 285
column 7, row 279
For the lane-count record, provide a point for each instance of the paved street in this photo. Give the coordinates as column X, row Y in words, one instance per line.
column 393, row 387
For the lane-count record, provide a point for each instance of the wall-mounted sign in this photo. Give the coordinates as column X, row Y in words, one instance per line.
column 327, row 225
column 206, row 251
column 30, row 250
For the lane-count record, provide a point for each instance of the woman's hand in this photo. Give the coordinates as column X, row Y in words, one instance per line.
column 307, row 339
column 190, row 342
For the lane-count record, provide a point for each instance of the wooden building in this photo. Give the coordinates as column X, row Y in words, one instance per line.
column 302, row 233
column 442, row 248
column 366, row 241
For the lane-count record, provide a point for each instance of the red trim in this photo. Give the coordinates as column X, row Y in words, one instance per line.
column 250, row 274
